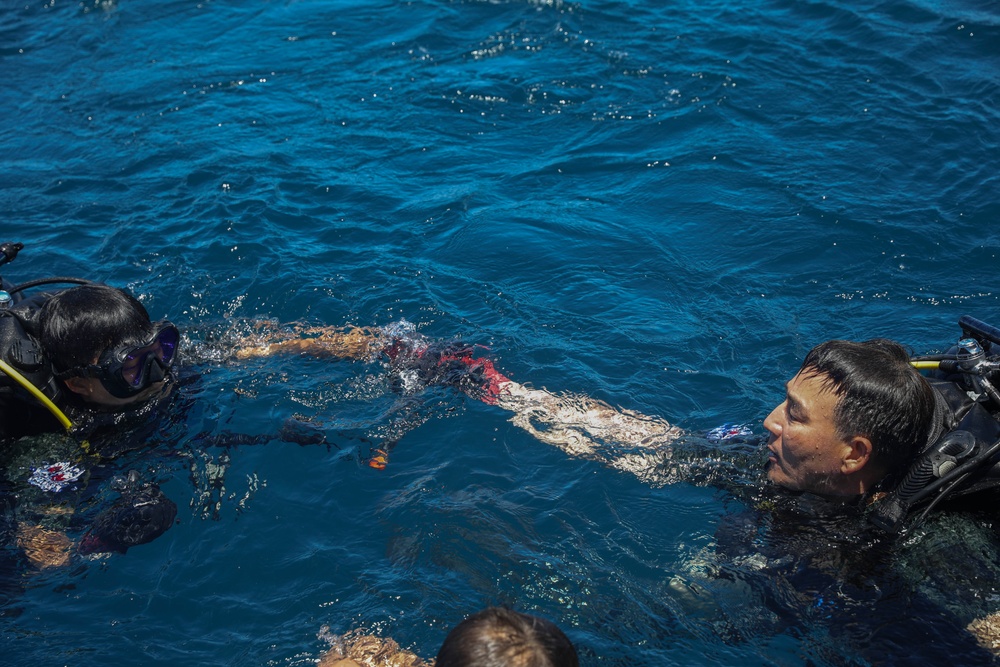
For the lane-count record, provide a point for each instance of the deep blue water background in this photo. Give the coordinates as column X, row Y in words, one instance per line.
column 662, row 205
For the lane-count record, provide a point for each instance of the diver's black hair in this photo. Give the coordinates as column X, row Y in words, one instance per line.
column 499, row 637
column 881, row 397
column 78, row 324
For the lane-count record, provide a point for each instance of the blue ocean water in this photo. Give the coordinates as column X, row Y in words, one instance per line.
column 660, row 205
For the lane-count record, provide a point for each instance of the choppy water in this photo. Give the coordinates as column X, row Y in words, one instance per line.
column 662, row 205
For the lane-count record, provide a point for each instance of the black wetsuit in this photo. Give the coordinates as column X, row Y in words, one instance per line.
column 819, row 568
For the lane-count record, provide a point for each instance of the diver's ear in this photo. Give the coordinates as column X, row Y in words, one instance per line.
column 857, row 454
column 79, row 385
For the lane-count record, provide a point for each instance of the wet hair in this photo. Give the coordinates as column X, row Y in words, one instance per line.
column 881, row 397
column 78, row 324
column 499, row 637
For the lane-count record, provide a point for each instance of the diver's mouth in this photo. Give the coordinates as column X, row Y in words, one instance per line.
column 772, row 457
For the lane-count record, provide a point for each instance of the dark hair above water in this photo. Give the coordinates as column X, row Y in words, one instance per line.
column 498, row 637
column 881, row 397
column 78, row 324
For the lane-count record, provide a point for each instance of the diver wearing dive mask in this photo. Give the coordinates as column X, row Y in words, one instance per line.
column 129, row 369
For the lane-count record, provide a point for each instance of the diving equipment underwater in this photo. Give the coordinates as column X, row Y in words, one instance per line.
column 963, row 457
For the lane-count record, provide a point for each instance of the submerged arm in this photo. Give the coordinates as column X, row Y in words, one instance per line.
column 588, row 428
column 342, row 343
column 650, row 448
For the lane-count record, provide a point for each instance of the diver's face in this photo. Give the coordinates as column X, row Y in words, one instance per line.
column 804, row 451
column 93, row 391
column 99, row 395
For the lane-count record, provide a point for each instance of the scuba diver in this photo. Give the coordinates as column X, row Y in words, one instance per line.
column 861, row 450
column 85, row 360
column 85, row 374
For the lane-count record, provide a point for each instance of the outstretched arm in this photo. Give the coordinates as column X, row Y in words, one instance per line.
column 585, row 427
column 579, row 425
column 342, row 343
column 650, row 448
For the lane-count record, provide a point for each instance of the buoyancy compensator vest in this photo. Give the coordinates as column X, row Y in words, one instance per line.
column 26, row 373
column 963, row 452
column 19, row 347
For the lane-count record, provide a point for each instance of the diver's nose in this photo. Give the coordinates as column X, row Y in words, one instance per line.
column 772, row 423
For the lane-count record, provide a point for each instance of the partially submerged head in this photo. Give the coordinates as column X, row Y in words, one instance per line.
column 853, row 414
column 498, row 637
column 103, row 345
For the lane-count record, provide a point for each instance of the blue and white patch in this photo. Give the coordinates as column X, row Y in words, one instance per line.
column 728, row 432
column 55, row 477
